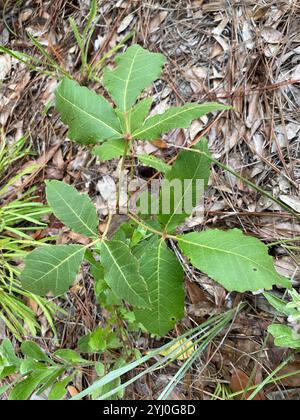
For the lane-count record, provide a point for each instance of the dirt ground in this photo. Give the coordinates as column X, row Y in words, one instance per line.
column 241, row 53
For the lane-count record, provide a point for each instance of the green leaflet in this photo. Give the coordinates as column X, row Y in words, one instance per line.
column 89, row 116
column 164, row 277
column 179, row 117
column 188, row 171
column 135, row 70
column 23, row 390
column 52, row 269
column 75, row 210
column 139, row 113
column 134, row 117
column 70, row 356
column 32, row 350
column 121, row 270
column 154, row 162
column 59, row 389
column 280, row 305
column 285, row 336
column 111, row 149
column 239, row 263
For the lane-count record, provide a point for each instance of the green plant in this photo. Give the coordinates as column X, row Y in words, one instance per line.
column 188, row 346
column 35, row 372
column 18, row 218
column 147, row 276
column 286, row 335
column 48, row 65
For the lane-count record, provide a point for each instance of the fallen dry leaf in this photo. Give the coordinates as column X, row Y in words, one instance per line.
column 5, row 66
column 240, row 382
column 188, row 348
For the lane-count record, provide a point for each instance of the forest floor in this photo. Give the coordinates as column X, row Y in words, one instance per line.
column 241, row 53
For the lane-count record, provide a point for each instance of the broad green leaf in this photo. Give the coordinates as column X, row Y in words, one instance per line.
column 23, row 390
column 70, row 356
column 32, row 350
column 135, row 70
column 179, row 117
column 143, row 247
column 154, row 162
column 239, row 263
column 75, row 210
column 111, row 149
column 138, row 114
column 7, row 351
column 285, row 336
column 135, row 117
column 280, row 305
column 99, row 340
column 164, row 277
column 121, row 271
column 51, row 379
column 5, row 372
column 58, row 391
column 52, row 269
column 191, row 172
column 89, row 116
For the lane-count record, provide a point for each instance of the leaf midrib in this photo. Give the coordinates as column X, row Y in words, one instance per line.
column 86, row 113
column 56, row 267
column 75, row 214
column 184, row 194
column 182, row 111
column 128, row 80
column 121, row 272
column 158, row 274
column 227, row 252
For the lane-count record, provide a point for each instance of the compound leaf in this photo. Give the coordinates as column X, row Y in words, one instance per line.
column 121, row 271
column 239, row 263
column 75, row 210
column 190, row 172
column 179, row 117
column 111, row 149
column 89, row 116
column 52, row 269
column 135, row 70
column 164, row 277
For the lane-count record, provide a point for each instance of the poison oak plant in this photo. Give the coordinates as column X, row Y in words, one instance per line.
column 147, row 275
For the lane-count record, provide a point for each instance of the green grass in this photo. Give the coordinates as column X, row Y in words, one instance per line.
column 18, row 219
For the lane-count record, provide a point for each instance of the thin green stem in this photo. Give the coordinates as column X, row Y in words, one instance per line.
column 105, row 233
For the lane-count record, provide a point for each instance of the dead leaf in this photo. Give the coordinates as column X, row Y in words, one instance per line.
column 292, row 381
column 195, row 293
column 196, row 77
column 72, row 391
column 125, row 23
column 291, row 201
column 5, row 66
column 157, row 21
column 160, row 144
column 271, row 35
column 188, row 348
column 240, row 382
